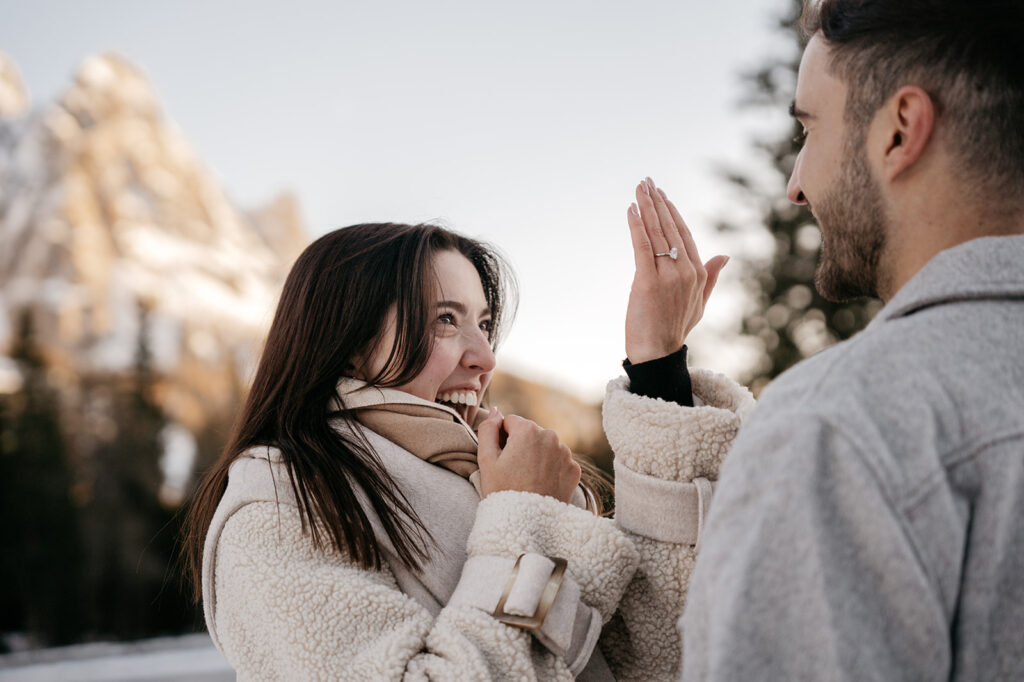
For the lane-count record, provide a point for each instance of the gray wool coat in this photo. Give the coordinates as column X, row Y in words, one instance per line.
column 869, row 522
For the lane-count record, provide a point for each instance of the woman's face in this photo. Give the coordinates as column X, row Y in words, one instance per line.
column 461, row 362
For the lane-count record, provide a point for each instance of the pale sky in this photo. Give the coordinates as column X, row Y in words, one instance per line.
column 524, row 123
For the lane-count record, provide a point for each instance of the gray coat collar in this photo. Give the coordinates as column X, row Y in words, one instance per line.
column 983, row 268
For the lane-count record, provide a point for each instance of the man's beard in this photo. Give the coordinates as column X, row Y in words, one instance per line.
column 853, row 230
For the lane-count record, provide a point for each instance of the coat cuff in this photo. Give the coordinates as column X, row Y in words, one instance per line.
column 602, row 558
column 568, row 627
column 667, row 511
column 671, row 442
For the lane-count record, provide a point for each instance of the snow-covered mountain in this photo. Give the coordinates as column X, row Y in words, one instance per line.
column 108, row 218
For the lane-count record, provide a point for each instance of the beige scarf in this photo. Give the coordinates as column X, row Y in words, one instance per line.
column 431, row 431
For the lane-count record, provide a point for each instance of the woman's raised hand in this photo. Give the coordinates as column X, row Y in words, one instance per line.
column 668, row 295
column 532, row 459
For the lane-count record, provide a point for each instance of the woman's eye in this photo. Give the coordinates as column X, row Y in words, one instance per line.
column 801, row 137
column 446, row 318
column 487, row 326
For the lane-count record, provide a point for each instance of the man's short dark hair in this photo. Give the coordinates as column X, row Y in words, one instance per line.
column 968, row 55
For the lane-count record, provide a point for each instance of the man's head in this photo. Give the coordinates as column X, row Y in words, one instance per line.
column 886, row 87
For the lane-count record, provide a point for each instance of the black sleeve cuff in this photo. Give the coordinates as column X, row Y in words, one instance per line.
column 666, row 378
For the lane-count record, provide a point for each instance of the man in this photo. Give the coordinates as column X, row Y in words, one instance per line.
column 869, row 522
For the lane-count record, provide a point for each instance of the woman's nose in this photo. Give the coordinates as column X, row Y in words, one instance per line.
column 479, row 355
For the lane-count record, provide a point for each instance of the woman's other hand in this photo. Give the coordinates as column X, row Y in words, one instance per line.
column 668, row 296
column 532, row 459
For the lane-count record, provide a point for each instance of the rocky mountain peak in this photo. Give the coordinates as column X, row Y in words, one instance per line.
column 114, row 232
column 14, row 99
column 108, row 87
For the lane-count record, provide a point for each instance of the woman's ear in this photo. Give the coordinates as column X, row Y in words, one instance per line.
column 358, row 368
column 356, row 365
column 907, row 124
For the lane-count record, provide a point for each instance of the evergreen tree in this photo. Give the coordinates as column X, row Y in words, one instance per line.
column 134, row 591
column 40, row 548
column 790, row 318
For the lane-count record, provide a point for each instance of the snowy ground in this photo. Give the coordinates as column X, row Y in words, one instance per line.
column 191, row 658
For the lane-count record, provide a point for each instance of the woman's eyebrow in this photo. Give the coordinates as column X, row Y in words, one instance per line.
column 459, row 308
column 454, row 305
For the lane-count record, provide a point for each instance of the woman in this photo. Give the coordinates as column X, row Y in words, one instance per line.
column 358, row 528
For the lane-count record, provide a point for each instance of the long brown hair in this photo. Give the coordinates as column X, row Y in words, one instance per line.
column 332, row 309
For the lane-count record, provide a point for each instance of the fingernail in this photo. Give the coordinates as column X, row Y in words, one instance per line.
column 643, row 187
column 634, row 210
column 726, row 261
column 662, row 193
column 650, row 184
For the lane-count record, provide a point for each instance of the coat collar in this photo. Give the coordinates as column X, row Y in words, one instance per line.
column 983, row 268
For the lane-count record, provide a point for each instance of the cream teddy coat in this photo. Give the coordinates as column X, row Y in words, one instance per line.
column 278, row 608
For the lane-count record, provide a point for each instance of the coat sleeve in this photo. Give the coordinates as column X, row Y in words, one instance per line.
column 666, row 459
column 809, row 570
column 285, row 610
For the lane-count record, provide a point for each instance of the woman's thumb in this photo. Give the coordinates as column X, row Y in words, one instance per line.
column 489, row 436
column 714, row 268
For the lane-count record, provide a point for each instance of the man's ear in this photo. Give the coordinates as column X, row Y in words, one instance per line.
column 907, row 122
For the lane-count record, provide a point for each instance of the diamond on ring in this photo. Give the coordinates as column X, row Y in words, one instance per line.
column 672, row 253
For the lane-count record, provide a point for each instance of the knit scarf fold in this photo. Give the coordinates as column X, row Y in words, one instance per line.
column 431, row 431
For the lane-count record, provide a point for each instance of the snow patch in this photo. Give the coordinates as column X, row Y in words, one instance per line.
column 166, row 659
column 11, row 379
column 97, row 72
column 179, row 454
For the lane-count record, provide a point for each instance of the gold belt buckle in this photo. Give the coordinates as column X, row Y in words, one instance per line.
column 547, row 597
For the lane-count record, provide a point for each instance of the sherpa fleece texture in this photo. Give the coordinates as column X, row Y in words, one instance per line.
column 288, row 611
column 668, row 446
column 280, row 609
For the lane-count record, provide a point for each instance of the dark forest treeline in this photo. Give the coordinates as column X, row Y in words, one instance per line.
column 89, row 550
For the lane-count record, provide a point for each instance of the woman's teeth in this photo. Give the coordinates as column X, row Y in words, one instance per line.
column 457, row 398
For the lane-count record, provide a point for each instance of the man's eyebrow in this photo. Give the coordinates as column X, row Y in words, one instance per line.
column 797, row 113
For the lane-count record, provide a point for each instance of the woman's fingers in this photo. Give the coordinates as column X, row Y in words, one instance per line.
column 713, row 267
column 532, row 460
column 643, row 253
column 649, row 214
column 689, row 245
column 665, row 217
column 516, row 425
column 489, row 437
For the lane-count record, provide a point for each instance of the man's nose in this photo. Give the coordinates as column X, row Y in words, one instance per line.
column 793, row 189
